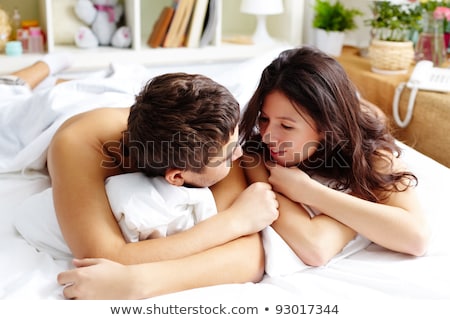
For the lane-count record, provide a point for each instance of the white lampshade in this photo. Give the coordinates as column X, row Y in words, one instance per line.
column 262, row 7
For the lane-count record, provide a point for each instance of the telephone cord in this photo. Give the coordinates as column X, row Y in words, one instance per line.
column 410, row 108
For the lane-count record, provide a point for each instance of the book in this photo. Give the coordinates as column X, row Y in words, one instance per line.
column 160, row 27
column 196, row 26
column 211, row 22
column 177, row 30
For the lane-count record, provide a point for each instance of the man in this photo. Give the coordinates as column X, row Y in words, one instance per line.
column 222, row 249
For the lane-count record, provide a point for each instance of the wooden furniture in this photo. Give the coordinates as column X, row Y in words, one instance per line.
column 428, row 131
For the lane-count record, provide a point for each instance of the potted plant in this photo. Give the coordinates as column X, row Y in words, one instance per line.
column 331, row 20
column 393, row 26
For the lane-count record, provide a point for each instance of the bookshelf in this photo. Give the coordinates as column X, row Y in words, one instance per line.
column 56, row 17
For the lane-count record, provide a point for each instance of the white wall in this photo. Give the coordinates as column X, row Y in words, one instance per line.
column 358, row 38
column 287, row 26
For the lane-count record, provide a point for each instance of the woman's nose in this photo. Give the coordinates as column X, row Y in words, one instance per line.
column 267, row 132
column 268, row 137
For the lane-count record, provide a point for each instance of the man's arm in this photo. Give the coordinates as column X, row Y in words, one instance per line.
column 87, row 223
column 235, row 262
column 74, row 162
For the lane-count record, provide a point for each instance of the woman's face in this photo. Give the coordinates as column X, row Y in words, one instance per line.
column 290, row 134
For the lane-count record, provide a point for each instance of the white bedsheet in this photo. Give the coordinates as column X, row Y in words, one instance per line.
column 371, row 273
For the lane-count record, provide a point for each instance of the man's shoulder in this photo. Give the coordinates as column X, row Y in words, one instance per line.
column 99, row 116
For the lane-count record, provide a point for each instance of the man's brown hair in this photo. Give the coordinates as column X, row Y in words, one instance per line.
column 180, row 121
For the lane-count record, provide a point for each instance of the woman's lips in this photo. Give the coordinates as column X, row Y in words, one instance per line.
column 276, row 154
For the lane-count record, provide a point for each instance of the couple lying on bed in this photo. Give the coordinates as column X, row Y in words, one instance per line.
column 318, row 166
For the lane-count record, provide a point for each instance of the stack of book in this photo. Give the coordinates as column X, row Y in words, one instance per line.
column 187, row 23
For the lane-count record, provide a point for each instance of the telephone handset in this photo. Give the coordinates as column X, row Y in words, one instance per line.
column 424, row 77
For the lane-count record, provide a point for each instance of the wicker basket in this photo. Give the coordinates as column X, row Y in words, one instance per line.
column 391, row 56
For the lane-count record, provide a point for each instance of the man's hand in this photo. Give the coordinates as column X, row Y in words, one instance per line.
column 255, row 208
column 96, row 279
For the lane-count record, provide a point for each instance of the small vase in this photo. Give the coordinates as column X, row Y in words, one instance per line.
column 431, row 43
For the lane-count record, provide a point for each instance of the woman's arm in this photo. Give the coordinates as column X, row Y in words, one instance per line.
column 315, row 240
column 397, row 224
column 78, row 165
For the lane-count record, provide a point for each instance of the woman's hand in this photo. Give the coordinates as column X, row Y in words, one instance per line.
column 315, row 241
column 292, row 182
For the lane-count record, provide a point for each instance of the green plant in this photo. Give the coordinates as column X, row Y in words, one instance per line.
column 334, row 17
column 393, row 21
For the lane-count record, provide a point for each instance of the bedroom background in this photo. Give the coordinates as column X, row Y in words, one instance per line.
column 373, row 283
column 293, row 26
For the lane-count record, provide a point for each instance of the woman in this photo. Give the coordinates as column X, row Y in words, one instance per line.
column 309, row 136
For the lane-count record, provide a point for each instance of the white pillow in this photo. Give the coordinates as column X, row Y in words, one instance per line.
column 152, row 208
column 281, row 260
column 144, row 207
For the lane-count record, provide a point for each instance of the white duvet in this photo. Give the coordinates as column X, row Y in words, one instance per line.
column 368, row 274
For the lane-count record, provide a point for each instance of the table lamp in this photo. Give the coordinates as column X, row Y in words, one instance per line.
column 261, row 8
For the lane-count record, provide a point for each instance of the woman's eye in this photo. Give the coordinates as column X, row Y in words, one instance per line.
column 286, row 127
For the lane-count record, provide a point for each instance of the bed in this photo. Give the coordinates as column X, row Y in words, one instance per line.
column 369, row 275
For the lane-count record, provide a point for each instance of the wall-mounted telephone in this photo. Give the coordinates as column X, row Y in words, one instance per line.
column 423, row 77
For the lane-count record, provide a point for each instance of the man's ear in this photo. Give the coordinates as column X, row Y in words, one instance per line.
column 175, row 177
